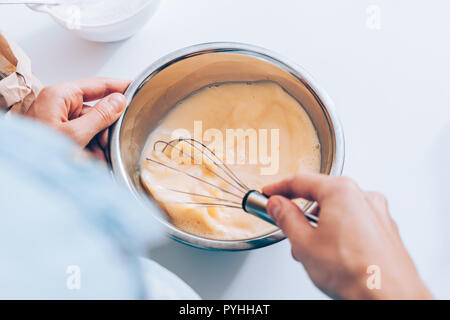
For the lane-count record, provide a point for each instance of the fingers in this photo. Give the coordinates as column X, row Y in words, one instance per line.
column 56, row 104
column 100, row 117
column 306, row 185
column 102, row 137
column 98, row 88
column 291, row 219
column 62, row 102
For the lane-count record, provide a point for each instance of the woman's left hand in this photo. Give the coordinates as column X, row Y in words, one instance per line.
column 63, row 107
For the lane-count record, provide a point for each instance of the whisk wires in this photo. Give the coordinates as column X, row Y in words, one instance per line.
column 217, row 167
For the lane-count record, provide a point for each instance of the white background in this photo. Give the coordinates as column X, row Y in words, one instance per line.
column 390, row 86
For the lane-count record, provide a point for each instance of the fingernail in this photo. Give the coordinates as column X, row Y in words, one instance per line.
column 274, row 208
column 116, row 100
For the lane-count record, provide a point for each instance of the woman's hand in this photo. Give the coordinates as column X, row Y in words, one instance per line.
column 355, row 236
column 62, row 107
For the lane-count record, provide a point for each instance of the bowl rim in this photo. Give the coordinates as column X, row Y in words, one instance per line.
column 297, row 71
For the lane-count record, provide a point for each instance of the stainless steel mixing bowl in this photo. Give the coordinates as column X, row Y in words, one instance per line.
column 175, row 76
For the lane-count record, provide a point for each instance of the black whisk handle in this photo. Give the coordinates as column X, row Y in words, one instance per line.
column 255, row 203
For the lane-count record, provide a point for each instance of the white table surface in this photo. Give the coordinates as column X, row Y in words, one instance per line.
column 391, row 88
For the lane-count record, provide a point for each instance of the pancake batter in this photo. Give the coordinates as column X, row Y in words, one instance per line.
column 254, row 106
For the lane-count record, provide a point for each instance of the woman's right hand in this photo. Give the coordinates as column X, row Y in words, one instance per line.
column 356, row 251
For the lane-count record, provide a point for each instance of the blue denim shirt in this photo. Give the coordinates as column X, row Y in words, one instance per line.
column 67, row 231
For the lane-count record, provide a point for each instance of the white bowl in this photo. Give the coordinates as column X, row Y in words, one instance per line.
column 116, row 30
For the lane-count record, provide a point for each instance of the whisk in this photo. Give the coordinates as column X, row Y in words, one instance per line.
column 241, row 196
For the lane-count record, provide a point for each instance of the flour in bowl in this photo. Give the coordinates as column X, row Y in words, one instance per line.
column 97, row 12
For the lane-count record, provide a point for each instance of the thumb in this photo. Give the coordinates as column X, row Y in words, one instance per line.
column 290, row 218
column 102, row 115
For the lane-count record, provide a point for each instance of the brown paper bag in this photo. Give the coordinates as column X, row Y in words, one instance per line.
column 18, row 86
